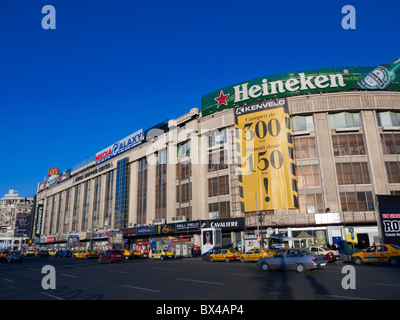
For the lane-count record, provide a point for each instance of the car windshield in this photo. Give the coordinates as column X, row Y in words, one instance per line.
column 395, row 246
column 325, row 248
column 306, row 252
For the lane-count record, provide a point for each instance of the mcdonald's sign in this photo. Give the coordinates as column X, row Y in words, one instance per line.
column 54, row 171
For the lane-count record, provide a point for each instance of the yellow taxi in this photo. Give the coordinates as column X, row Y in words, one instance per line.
column 53, row 252
column 85, row 254
column 127, row 254
column 255, row 254
column 136, row 254
column 378, row 253
column 227, row 255
column 163, row 254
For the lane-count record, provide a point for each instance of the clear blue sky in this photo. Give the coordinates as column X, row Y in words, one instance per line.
column 113, row 67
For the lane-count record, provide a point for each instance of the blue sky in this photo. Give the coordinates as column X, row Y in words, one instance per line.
column 113, row 67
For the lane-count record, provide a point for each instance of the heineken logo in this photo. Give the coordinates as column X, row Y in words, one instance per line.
column 243, row 92
column 336, row 79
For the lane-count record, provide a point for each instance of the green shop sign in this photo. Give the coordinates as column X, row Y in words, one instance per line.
column 382, row 77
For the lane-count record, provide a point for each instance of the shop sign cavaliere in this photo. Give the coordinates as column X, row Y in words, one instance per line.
column 303, row 82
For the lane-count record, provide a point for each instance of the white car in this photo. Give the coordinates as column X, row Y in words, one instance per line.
column 330, row 254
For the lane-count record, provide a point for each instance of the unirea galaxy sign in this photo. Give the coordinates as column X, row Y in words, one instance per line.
column 119, row 147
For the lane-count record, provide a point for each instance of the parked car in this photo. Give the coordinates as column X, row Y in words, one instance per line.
column 127, row 254
column 3, row 255
column 65, row 254
column 136, row 254
column 85, row 254
column 30, row 253
column 14, row 256
column 43, row 254
column 227, row 255
column 294, row 259
column 330, row 254
column 378, row 253
column 255, row 254
column 206, row 255
column 112, row 256
column 163, row 254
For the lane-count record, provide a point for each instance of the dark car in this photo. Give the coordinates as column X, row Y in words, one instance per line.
column 65, row 254
column 14, row 256
column 112, row 256
column 43, row 254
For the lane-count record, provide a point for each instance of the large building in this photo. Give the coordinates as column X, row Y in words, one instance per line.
column 296, row 157
column 15, row 217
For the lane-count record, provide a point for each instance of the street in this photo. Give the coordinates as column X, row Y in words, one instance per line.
column 190, row 279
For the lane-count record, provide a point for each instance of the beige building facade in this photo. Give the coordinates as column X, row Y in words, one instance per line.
column 346, row 148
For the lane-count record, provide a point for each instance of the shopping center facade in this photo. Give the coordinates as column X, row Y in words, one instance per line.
column 163, row 185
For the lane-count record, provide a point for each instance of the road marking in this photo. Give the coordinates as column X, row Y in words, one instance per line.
column 68, row 275
column 251, row 275
column 343, row 297
column 387, row 284
column 8, row 280
column 146, row 289
column 199, row 281
column 51, row 296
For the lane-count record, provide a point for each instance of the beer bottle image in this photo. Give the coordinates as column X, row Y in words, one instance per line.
column 379, row 78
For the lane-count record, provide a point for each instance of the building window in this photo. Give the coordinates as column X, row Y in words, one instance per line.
column 302, row 123
column 348, row 144
column 219, row 210
column 352, row 173
column 309, row 203
column 393, row 171
column 53, row 214
column 308, row 176
column 67, row 209
column 183, row 192
column 217, row 160
column 217, row 138
column 356, row 201
column 86, row 203
column 122, row 194
column 96, row 202
column 76, row 208
column 142, row 192
column 183, row 183
column 304, row 147
column 388, row 119
column 185, row 211
column 344, row 120
column 390, row 143
column 108, row 205
column 218, row 186
column 161, row 185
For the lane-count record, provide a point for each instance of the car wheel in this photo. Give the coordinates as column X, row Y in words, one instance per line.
column 162, row 258
column 227, row 260
column 243, row 260
column 358, row 261
column 99, row 260
column 300, row 268
column 211, row 259
column 265, row 267
column 394, row 261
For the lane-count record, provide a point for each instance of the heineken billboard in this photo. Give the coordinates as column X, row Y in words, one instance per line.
column 382, row 77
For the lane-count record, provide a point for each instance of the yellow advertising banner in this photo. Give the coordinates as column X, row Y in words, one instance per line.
column 264, row 147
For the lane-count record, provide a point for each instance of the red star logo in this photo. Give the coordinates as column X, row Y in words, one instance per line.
column 222, row 99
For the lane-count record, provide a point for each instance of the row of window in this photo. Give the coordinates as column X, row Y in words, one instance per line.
column 346, row 120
